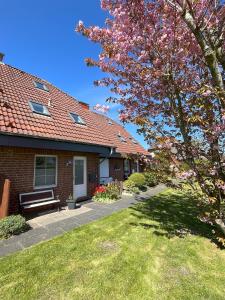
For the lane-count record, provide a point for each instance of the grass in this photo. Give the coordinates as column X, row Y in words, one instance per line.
column 155, row 250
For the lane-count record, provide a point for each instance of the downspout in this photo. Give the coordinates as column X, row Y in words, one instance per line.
column 110, row 154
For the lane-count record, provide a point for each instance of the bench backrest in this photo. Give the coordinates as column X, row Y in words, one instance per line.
column 35, row 197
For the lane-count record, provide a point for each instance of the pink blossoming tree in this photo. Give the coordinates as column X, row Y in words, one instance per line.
column 165, row 62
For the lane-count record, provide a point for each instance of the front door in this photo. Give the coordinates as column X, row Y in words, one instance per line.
column 80, row 177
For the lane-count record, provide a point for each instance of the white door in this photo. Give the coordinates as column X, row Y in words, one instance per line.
column 104, row 171
column 104, row 167
column 80, row 177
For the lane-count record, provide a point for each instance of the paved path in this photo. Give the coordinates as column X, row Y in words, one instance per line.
column 49, row 231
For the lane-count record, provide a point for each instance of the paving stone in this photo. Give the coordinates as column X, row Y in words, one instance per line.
column 69, row 226
column 8, row 249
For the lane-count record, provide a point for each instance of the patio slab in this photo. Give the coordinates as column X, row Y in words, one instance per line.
column 49, row 218
column 46, row 227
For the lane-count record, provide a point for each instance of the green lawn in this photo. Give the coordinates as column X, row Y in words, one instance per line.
column 156, row 250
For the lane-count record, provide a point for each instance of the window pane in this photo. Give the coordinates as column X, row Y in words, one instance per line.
column 77, row 119
column 50, row 172
column 50, row 162
column 41, row 86
column 40, row 180
column 50, row 180
column 39, row 108
column 79, row 172
column 40, row 162
column 45, row 171
column 40, row 172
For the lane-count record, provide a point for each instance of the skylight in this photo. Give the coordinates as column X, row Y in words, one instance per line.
column 39, row 108
column 133, row 140
column 122, row 139
column 77, row 119
column 41, row 86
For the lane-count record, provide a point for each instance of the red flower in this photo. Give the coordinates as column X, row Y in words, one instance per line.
column 99, row 189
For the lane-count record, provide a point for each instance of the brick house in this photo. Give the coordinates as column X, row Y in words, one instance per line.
column 50, row 140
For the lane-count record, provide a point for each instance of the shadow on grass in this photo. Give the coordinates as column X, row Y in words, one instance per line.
column 177, row 215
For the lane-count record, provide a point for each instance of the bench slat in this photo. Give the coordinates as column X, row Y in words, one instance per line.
column 36, row 201
column 33, row 197
column 40, row 204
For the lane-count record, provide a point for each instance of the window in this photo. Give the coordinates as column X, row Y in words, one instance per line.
column 39, row 108
column 79, row 171
column 77, row 119
column 117, row 167
column 122, row 139
column 45, row 171
column 41, row 86
column 126, row 167
column 133, row 140
column 110, row 122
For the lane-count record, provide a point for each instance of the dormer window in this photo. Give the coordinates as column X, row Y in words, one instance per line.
column 41, row 86
column 110, row 122
column 77, row 119
column 39, row 108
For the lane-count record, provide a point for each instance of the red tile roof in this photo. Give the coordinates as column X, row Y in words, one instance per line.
column 16, row 117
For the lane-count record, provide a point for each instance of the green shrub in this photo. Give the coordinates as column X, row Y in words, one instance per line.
column 138, row 179
column 12, row 225
column 151, row 179
column 129, row 186
column 113, row 191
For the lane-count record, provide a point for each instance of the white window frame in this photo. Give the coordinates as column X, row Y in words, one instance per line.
column 83, row 123
column 47, row 113
column 56, row 170
column 45, row 88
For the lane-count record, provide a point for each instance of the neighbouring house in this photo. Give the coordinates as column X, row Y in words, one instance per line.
column 49, row 140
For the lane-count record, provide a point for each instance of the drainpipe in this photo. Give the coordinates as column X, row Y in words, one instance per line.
column 110, row 154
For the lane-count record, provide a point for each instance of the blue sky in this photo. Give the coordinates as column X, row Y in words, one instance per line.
column 39, row 38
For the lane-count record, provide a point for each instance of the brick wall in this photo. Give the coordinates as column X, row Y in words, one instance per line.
column 17, row 164
column 116, row 168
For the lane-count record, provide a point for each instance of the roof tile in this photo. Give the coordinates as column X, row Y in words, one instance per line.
column 17, row 89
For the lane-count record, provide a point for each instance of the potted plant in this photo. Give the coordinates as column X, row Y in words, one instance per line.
column 71, row 203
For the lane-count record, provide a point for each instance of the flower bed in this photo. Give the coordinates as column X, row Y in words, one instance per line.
column 107, row 194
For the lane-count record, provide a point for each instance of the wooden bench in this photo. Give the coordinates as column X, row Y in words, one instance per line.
column 37, row 199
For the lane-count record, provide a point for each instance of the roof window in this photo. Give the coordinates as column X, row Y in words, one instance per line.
column 41, row 86
column 77, row 119
column 122, row 139
column 39, row 108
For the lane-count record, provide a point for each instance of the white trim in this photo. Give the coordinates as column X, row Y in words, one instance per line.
column 83, row 123
column 45, row 87
column 40, row 204
column 85, row 175
column 46, row 113
column 56, row 170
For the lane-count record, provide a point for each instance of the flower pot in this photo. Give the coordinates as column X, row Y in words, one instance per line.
column 71, row 204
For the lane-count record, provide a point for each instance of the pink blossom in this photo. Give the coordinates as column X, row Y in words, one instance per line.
column 101, row 108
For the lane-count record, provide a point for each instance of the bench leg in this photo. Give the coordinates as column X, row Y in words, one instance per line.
column 59, row 207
